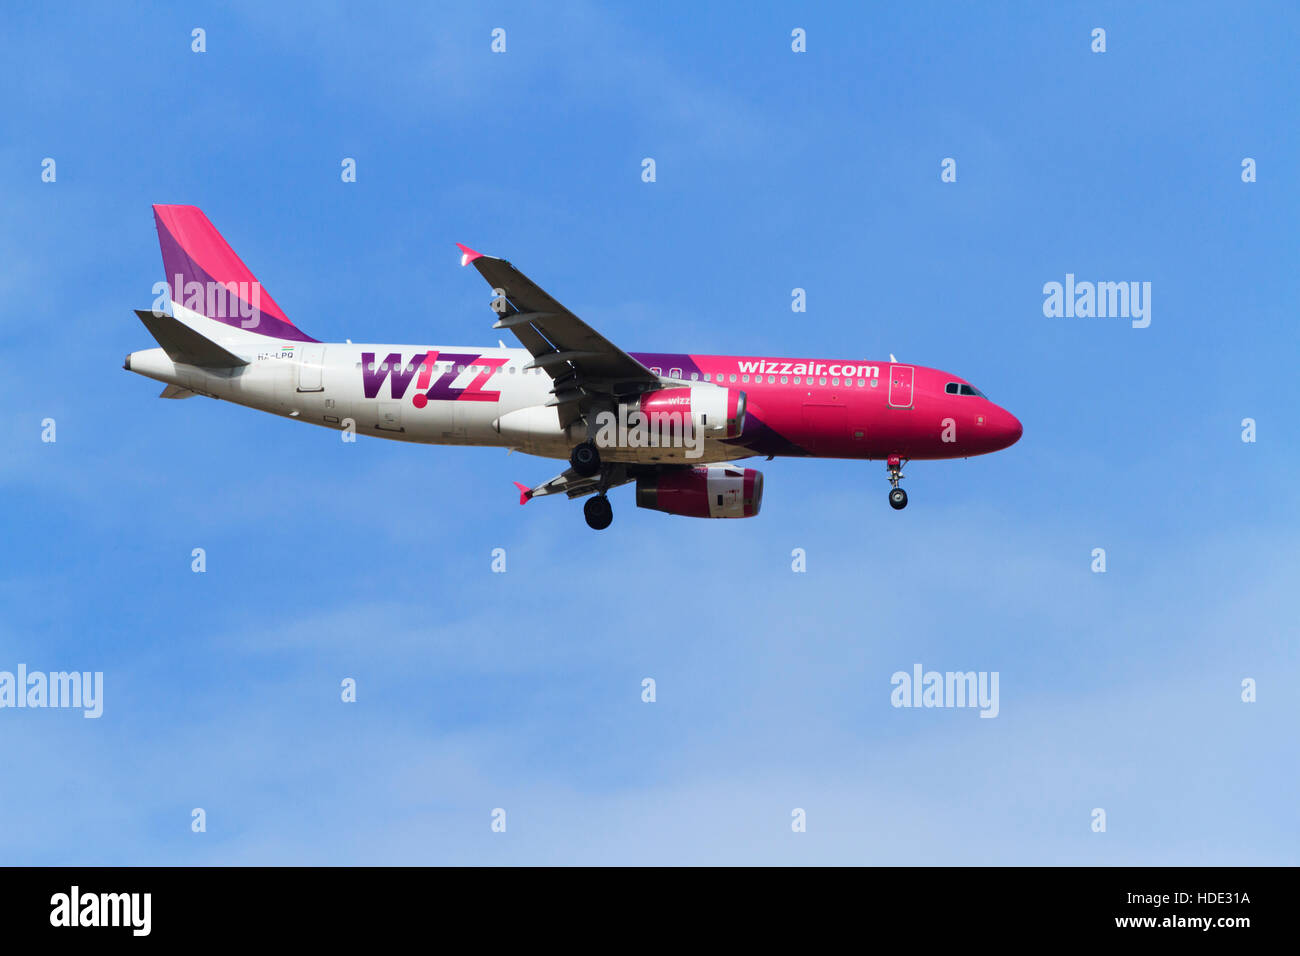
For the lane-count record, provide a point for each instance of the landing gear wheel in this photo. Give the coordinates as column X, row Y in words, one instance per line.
column 598, row 512
column 585, row 459
column 897, row 496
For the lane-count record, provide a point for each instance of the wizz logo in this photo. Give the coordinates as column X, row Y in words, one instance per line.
column 421, row 369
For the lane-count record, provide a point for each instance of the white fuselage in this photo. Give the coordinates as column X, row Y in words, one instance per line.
column 465, row 395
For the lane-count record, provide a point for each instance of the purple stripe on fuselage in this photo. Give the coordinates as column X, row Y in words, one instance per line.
column 761, row 439
column 756, row 436
column 667, row 362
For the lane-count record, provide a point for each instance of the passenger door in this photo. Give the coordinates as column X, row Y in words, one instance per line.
column 900, row 385
column 311, row 368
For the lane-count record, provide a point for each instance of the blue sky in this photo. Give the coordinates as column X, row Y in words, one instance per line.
column 522, row 690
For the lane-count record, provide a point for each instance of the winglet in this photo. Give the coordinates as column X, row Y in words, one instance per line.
column 525, row 493
column 467, row 255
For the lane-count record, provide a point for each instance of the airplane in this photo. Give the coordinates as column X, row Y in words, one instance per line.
column 673, row 423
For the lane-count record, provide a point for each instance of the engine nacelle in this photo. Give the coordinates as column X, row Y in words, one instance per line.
column 705, row 491
column 718, row 412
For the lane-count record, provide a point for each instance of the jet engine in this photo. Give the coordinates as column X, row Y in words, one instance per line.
column 705, row 491
column 718, row 411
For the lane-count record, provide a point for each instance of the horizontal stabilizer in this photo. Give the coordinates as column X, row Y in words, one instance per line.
column 185, row 346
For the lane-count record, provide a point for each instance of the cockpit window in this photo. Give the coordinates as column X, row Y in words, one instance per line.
column 951, row 388
column 971, row 390
column 961, row 388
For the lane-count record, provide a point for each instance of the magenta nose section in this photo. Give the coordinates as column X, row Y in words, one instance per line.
column 1008, row 428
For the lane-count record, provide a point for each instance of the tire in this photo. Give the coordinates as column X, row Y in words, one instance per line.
column 598, row 512
column 585, row 459
column 897, row 499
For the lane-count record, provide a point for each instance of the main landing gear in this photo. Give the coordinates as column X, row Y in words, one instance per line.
column 897, row 496
column 585, row 459
column 598, row 512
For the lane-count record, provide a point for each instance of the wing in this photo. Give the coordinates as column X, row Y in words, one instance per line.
column 570, row 483
column 585, row 367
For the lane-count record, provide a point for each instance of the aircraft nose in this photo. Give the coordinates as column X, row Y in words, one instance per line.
column 1009, row 428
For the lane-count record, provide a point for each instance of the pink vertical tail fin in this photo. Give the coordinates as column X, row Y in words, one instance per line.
column 207, row 277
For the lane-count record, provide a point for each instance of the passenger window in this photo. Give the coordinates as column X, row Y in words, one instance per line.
column 771, row 379
column 743, row 378
column 733, row 376
column 695, row 376
column 785, row 379
column 835, row 381
column 822, row 380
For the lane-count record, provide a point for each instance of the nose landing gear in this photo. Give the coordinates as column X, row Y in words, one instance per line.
column 897, row 496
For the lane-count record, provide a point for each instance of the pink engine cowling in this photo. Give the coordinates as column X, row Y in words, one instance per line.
column 705, row 491
column 719, row 411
